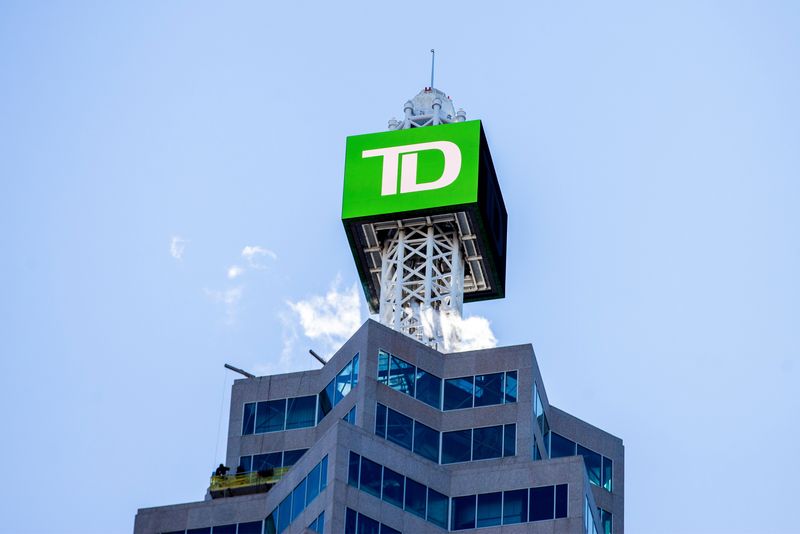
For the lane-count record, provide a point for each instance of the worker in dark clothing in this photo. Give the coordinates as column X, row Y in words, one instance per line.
column 221, row 471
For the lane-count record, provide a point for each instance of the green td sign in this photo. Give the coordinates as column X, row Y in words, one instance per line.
column 410, row 170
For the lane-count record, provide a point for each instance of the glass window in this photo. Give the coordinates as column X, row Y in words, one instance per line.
column 593, row 463
column 320, row 523
column 490, row 507
column 605, row 521
column 510, row 389
column 380, row 421
column 350, row 521
column 312, row 487
column 270, row 416
column 269, row 523
column 301, row 412
column 353, row 469
column 249, row 418
column 458, row 393
column 608, row 472
column 350, row 416
column 253, row 527
column 401, row 376
column 487, row 442
column 367, row 525
column 246, row 463
column 393, row 487
column 290, row 457
column 326, row 397
column 370, row 477
column 354, row 373
column 298, row 499
column 383, row 367
column 456, row 446
column 399, row 429
column 177, row 532
column 541, row 503
column 323, row 473
column 429, row 389
column 489, row 389
column 224, row 529
column 515, row 506
column 265, row 462
column 463, row 512
column 437, row 508
column 203, row 530
column 510, row 440
column 561, row 500
column 386, row 529
column 415, row 498
column 343, row 383
column 284, row 513
column 561, row 446
column 426, row 442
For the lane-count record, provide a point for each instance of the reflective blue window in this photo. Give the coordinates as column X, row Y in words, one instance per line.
column 437, row 508
column 380, row 421
column 265, row 462
column 386, row 529
column 429, row 389
column 490, row 506
column 402, row 375
column 269, row 524
column 510, row 440
column 541, row 503
column 605, row 521
column 326, row 397
column 351, row 519
column 458, row 393
column 399, row 429
column 487, row 442
column 270, row 416
column 224, row 529
column 393, row 487
column 350, row 416
column 367, row 525
column 510, row 389
column 489, row 389
column 355, row 370
column 246, row 463
column 353, row 469
column 370, row 477
column 284, row 513
column 561, row 446
column 593, row 462
column 463, row 512
column 607, row 473
column 318, row 525
column 383, row 367
column 515, row 506
column 203, row 530
column 177, row 532
column 290, row 457
column 416, row 494
column 426, row 441
column 561, row 500
column 323, row 473
column 312, row 487
column 298, row 499
column 249, row 418
column 301, row 412
column 456, row 446
column 344, row 383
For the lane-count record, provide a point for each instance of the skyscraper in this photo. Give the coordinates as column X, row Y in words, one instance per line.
column 402, row 430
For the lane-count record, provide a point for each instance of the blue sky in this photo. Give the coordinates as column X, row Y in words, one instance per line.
column 648, row 153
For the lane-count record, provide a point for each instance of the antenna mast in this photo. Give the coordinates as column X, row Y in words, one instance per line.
column 433, row 59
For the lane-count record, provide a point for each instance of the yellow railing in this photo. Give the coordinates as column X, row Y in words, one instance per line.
column 245, row 479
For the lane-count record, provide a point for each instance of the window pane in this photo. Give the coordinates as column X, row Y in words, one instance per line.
column 380, row 421
column 401, row 376
column 265, row 462
column 561, row 446
column 298, row 499
column 605, row 521
column 561, row 500
column 429, row 389
column 464, row 512
column 593, row 463
column 487, row 442
column 353, row 469
column 253, row 527
column 246, row 463
column 386, row 529
column 515, row 506
column 312, row 486
column 367, row 525
column 541, row 503
column 383, row 367
column 437, row 508
column 608, row 472
column 326, row 400
column 284, row 513
column 415, row 498
column 249, row 418
column 290, row 457
column 301, row 412
column 370, row 477
column 269, row 524
column 350, row 522
column 510, row 440
column 323, row 473
column 489, row 509
column 224, row 529
column 489, row 389
column 426, row 442
column 511, row 386
column 202, row 530
column 321, row 523
column 458, row 393
column 456, row 446
column 399, row 429
column 343, row 383
column 270, row 416
column 393, row 487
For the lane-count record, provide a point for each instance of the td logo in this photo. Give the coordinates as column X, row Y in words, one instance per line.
column 404, row 158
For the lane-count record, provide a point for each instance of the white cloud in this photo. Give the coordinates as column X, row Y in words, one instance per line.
column 470, row 333
column 235, row 271
column 252, row 253
column 230, row 299
column 176, row 247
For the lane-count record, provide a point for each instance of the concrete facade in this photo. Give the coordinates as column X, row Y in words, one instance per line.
column 337, row 439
